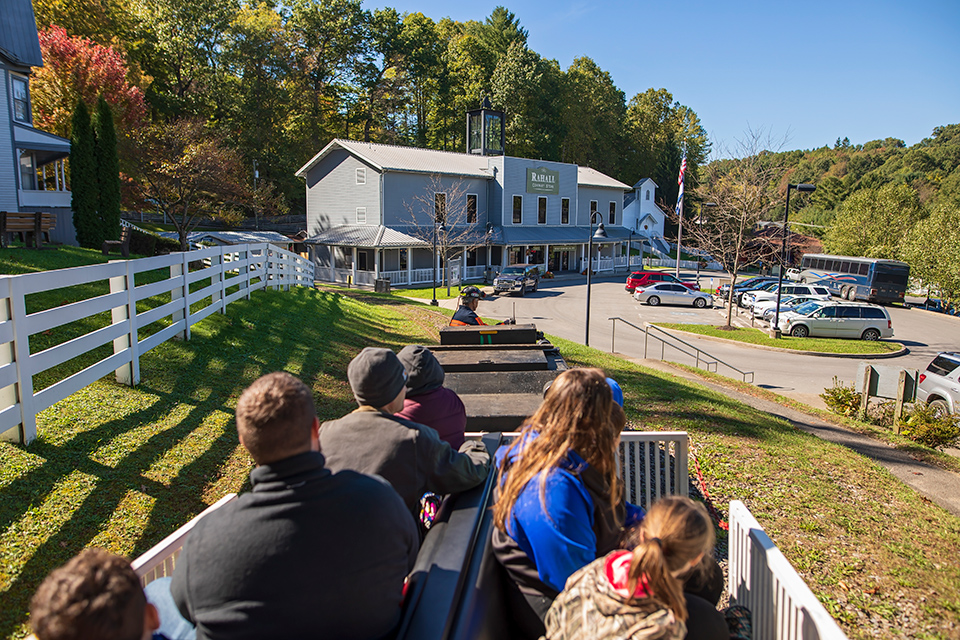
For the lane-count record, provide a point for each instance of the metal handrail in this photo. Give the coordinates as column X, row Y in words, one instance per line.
column 708, row 361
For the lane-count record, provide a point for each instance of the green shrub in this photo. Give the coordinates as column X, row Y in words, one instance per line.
column 167, row 245
column 142, row 244
column 842, row 399
column 926, row 427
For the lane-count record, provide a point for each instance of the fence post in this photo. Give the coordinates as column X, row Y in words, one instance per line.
column 185, row 270
column 898, row 407
column 176, row 292
column 247, row 269
column 21, row 354
column 216, row 298
column 8, row 395
column 613, row 337
column 129, row 373
column 865, row 391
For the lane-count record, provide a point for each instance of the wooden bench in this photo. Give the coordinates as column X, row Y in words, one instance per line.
column 123, row 243
column 26, row 223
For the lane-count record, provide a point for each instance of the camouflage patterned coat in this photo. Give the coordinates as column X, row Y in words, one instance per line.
column 594, row 604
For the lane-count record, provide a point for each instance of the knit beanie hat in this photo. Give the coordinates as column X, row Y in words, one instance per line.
column 424, row 373
column 376, row 377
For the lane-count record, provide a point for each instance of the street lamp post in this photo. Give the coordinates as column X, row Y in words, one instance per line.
column 436, row 230
column 802, row 188
column 600, row 235
column 700, row 222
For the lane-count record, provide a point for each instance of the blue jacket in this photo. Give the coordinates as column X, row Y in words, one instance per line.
column 562, row 539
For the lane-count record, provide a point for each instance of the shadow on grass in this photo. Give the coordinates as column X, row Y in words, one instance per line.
column 313, row 335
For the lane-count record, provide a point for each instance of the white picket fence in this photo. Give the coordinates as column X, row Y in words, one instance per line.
column 764, row 581
column 234, row 272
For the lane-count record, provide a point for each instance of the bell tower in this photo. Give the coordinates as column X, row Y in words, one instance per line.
column 485, row 130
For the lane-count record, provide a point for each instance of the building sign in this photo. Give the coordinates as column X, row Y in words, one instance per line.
column 564, row 247
column 543, row 181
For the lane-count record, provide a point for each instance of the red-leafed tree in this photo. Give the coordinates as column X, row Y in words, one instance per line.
column 77, row 68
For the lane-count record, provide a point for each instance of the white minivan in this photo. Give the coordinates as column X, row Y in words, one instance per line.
column 837, row 320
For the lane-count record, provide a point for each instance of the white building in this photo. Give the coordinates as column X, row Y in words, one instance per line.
column 642, row 214
column 374, row 210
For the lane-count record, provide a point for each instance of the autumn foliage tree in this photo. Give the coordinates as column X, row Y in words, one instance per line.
column 75, row 68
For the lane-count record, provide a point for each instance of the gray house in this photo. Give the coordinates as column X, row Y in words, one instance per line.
column 375, row 211
column 32, row 176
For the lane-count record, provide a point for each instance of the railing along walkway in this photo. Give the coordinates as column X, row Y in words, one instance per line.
column 698, row 354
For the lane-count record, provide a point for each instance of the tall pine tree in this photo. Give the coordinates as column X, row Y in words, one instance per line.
column 83, row 180
column 108, row 172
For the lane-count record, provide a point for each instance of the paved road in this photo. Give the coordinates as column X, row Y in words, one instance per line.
column 558, row 308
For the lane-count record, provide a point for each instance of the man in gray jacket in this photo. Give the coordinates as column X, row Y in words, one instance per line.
column 409, row 456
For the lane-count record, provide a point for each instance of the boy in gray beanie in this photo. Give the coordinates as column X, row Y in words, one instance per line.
column 408, row 455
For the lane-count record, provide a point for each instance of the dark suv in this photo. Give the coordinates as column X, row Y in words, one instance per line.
column 641, row 279
column 518, row 278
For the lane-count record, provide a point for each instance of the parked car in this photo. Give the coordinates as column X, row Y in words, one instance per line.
column 793, row 274
column 940, row 384
column 768, row 308
column 641, row 279
column 789, row 289
column 745, row 285
column 837, row 320
column 672, row 293
column 517, row 278
column 745, row 298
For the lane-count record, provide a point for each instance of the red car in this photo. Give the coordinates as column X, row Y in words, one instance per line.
column 641, row 279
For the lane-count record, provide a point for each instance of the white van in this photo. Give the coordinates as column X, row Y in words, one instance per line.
column 837, row 320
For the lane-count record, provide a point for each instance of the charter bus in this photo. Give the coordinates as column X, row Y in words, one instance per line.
column 870, row 279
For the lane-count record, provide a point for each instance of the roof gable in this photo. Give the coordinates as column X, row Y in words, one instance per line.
column 18, row 34
column 587, row 177
column 386, row 157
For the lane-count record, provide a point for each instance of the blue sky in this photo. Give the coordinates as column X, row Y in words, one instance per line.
column 809, row 72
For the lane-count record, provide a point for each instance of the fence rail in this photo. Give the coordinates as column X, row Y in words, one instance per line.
column 764, row 581
column 182, row 299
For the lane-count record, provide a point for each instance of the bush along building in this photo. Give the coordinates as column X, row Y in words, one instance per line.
column 382, row 211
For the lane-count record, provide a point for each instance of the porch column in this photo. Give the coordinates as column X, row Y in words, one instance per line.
column 463, row 265
column 333, row 264
column 376, row 262
column 546, row 257
column 353, row 265
column 409, row 265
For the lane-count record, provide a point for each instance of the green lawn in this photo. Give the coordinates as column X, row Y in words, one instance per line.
column 755, row 336
column 122, row 467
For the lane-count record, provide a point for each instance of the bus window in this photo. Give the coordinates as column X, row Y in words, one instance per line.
column 820, row 263
column 845, row 266
column 864, row 268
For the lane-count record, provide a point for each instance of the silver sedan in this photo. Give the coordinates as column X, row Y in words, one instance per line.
column 668, row 293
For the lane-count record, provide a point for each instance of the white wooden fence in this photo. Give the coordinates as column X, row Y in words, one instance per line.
column 233, row 271
column 764, row 581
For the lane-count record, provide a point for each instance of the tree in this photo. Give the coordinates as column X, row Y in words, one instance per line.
column 873, row 222
column 191, row 174
column 108, row 172
column 593, row 118
column 743, row 190
column 445, row 202
column 933, row 251
column 83, row 180
column 77, row 69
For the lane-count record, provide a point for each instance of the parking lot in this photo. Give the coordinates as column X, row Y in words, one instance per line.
column 559, row 308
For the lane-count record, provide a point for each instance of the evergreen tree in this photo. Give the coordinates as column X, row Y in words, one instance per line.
column 83, row 180
column 108, row 172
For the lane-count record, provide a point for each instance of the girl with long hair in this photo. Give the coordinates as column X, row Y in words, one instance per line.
column 641, row 593
column 559, row 503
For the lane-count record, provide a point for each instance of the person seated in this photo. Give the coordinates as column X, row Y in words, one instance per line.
column 308, row 552
column 95, row 595
column 559, row 503
column 408, row 455
column 428, row 401
column 642, row 593
column 466, row 313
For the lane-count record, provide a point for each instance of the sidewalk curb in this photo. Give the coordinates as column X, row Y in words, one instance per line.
column 859, row 356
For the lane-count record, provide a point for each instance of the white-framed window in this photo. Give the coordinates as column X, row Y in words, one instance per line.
column 564, row 210
column 542, row 210
column 439, row 207
column 361, row 175
column 21, row 98
column 361, row 215
column 517, row 209
column 471, row 208
column 613, row 213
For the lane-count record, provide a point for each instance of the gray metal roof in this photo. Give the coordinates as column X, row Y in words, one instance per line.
column 386, row 157
column 18, row 34
column 398, row 236
column 588, row 177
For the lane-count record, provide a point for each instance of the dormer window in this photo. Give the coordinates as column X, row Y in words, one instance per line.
column 21, row 99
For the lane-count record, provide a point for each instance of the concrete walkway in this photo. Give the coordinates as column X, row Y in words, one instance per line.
column 939, row 485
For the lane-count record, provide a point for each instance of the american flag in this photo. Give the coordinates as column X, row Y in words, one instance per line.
column 683, row 169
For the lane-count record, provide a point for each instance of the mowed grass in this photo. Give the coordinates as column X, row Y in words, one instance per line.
column 757, row 337
column 122, row 467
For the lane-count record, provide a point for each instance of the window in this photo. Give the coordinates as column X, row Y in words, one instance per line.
column 942, row 366
column 849, row 312
column 439, row 207
column 864, row 268
column 361, row 215
column 613, row 213
column 648, row 194
column 403, row 259
column 28, row 171
column 872, row 312
column 541, row 210
column 361, row 176
column 593, row 209
column 471, row 208
column 21, row 99
column 517, row 209
column 845, row 266
column 564, row 210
